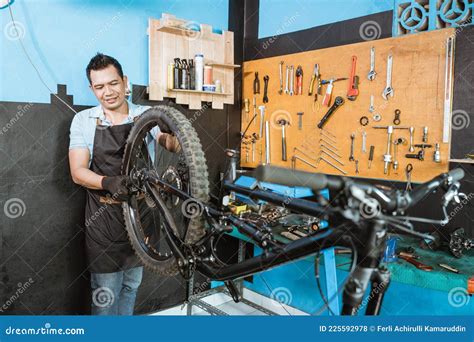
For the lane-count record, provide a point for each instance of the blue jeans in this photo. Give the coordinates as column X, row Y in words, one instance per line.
column 115, row 293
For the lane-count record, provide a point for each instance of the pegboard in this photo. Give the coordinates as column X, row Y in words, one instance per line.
column 419, row 68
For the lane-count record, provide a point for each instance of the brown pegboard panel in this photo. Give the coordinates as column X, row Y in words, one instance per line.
column 418, row 83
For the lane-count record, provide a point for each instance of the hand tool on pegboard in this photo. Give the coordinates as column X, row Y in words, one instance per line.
column 315, row 80
column 299, row 80
column 338, row 102
column 388, row 91
column 283, row 123
column 372, row 73
column 330, row 83
column 266, row 79
column 353, row 90
column 280, row 72
column 387, row 157
column 448, row 87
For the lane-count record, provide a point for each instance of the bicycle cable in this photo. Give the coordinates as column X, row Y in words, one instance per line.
column 271, row 292
column 351, row 271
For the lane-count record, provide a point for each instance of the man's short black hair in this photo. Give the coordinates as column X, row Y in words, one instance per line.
column 101, row 61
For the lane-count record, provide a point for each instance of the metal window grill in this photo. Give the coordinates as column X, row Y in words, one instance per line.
column 412, row 16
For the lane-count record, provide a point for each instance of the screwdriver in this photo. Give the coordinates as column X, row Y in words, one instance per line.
column 371, row 155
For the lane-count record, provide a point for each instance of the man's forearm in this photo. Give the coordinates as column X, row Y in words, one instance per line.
column 88, row 179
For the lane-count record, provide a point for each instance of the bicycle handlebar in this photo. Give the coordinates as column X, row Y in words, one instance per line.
column 314, row 181
column 317, row 181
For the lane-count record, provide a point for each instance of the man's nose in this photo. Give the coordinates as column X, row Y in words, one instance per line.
column 108, row 90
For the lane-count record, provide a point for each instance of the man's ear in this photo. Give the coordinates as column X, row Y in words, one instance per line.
column 128, row 90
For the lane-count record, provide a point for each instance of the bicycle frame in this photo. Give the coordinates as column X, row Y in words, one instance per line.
column 370, row 252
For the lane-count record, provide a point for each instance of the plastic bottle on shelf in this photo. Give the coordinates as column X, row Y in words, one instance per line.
column 199, row 70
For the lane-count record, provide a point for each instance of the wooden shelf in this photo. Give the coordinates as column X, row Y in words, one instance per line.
column 198, row 92
column 463, row 161
column 175, row 30
column 221, row 65
column 171, row 37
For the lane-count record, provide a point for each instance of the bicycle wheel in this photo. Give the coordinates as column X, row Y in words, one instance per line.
column 185, row 169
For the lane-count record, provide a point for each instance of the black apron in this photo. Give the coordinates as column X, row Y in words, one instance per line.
column 107, row 246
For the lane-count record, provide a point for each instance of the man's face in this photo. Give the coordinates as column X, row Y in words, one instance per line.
column 108, row 87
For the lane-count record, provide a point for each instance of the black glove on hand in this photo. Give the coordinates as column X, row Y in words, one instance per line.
column 117, row 186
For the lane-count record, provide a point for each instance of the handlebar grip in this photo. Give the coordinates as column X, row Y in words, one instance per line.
column 315, row 181
column 456, row 174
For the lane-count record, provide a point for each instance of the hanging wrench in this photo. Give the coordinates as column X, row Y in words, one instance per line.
column 281, row 78
column 371, row 106
column 388, row 91
column 287, row 82
column 339, row 101
column 266, row 78
column 372, row 73
column 292, row 80
column 364, row 139
column 412, row 131
column 351, row 157
column 353, row 90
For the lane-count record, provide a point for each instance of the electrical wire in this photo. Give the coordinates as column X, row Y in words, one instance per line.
column 31, row 61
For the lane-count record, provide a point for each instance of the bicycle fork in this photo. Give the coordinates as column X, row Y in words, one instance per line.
column 368, row 272
column 353, row 297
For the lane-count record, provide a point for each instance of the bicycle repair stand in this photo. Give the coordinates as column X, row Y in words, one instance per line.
column 235, row 289
column 232, row 289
